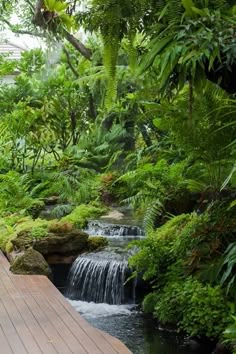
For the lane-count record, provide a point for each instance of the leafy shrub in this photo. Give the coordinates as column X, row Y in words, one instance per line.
column 96, row 242
column 194, row 239
column 149, row 302
column 195, row 308
column 155, row 252
column 80, row 215
column 153, row 184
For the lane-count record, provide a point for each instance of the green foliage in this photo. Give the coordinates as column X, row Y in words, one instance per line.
column 154, row 184
column 230, row 334
column 155, row 253
column 61, row 210
column 177, row 58
column 28, row 224
column 14, row 194
column 38, row 232
column 197, row 309
column 227, row 269
column 81, row 214
column 191, row 238
column 149, row 302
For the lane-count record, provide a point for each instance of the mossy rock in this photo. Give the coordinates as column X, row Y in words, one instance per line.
column 59, row 227
column 74, row 242
column 82, row 213
column 31, row 262
column 23, row 241
column 96, row 242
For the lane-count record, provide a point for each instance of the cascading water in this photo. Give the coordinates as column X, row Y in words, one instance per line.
column 96, row 288
column 99, row 277
column 101, row 228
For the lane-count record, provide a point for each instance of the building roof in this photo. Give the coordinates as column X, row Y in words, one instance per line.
column 11, row 49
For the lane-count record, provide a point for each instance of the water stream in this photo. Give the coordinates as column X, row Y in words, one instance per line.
column 97, row 288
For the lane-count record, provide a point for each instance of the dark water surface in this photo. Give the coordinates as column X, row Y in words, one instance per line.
column 139, row 333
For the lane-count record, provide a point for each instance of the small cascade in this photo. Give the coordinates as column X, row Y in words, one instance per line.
column 101, row 228
column 100, row 277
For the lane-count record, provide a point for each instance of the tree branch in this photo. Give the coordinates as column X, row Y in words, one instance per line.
column 78, row 45
column 38, row 18
column 70, row 64
column 18, row 31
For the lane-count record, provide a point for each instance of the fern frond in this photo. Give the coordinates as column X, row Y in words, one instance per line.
column 155, row 208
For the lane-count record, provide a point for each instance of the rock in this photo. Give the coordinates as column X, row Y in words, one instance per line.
column 114, row 214
column 23, row 241
column 31, row 262
column 35, row 208
column 65, row 244
column 61, row 241
column 220, row 349
column 53, row 200
column 96, row 242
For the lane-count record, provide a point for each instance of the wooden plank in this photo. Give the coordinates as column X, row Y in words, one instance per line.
column 42, row 318
column 101, row 341
column 10, row 332
column 18, row 321
column 68, row 337
column 5, row 347
column 74, row 327
column 40, row 337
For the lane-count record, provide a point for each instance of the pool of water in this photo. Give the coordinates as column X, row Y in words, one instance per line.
column 139, row 333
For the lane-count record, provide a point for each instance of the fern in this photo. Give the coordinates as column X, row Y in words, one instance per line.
column 154, row 209
column 61, row 210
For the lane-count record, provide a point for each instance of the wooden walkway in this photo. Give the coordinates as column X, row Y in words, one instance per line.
column 36, row 318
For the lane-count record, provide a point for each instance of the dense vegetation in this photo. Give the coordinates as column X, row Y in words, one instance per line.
column 143, row 114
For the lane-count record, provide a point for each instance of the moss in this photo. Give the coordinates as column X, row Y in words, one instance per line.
column 60, row 227
column 9, row 247
column 5, row 232
column 71, row 243
column 81, row 214
column 96, row 242
column 27, row 224
column 31, row 262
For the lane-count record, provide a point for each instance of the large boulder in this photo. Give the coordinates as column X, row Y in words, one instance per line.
column 60, row 240
column 31, row 262
column 71, row 243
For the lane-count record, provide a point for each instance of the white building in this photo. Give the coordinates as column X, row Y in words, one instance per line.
column 11, row 51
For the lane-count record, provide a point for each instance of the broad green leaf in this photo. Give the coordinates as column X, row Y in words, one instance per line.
column 156, row 46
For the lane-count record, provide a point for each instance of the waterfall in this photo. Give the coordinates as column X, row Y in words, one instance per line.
column 101, row 228
column 99, row 277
